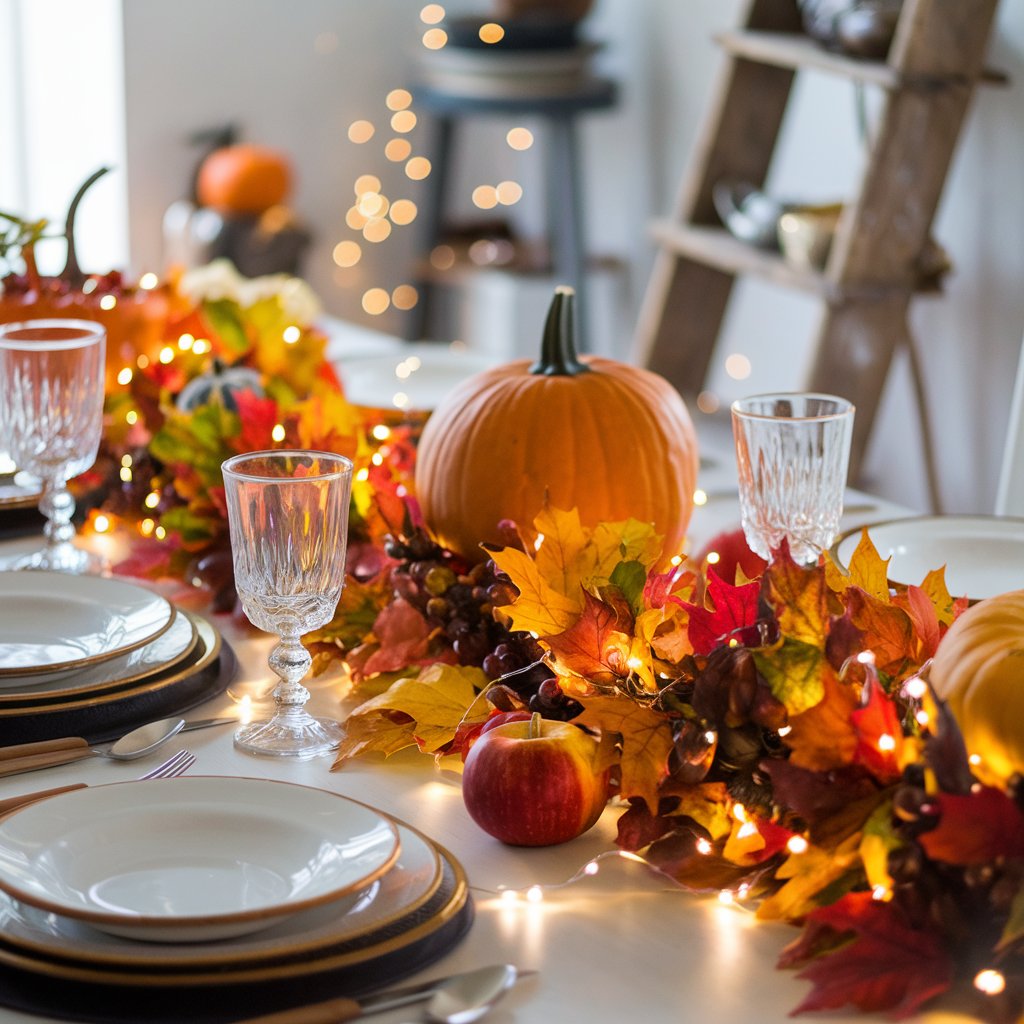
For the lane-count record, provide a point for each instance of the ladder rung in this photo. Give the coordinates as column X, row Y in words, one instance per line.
column 715, row 247
column 792, row 50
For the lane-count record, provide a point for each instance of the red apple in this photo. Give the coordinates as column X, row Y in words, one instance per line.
column 534, row 783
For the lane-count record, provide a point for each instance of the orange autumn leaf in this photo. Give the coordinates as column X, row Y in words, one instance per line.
column 822, row 738
column 925, row 619
column 593, row 647
column 888, row 630
column 879, row 735
column 327, row 422
column 646, row 743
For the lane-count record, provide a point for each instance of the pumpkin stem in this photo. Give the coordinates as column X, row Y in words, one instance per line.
column 558, row 348
column 72, row 272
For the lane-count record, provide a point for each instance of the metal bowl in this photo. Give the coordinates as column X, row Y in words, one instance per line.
column 748, row 213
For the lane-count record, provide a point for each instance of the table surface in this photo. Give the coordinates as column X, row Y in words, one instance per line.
column 621, row 944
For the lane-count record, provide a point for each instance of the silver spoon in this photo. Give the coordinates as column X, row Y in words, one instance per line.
column 26, row 757
column 470, row 996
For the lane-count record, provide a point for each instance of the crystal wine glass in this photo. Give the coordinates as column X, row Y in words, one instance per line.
column 288, row 519
column 792, row 452
column 51, row 416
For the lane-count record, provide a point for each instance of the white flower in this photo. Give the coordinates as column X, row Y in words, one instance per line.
column 217, row 280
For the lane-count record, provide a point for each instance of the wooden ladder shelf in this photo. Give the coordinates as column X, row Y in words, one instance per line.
column 935, row 61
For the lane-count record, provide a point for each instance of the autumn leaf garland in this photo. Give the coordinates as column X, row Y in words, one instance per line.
column 765, row 743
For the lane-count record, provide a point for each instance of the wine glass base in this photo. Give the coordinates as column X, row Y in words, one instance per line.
column 284, row 736
column 63, row 558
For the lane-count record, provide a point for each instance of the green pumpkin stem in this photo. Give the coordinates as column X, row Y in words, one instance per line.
column 558, row 348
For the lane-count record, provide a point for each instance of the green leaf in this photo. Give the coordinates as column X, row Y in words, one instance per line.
column 631, row 577
column 793, row 671
column 225, row 318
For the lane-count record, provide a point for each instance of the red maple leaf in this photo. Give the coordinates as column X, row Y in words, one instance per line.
column 887, row 966
column 734, row 608
column 258, row 417
column 733, row 553
column 978, row 828
column 879, row 734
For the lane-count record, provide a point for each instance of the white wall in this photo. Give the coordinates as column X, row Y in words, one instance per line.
column 199, row 62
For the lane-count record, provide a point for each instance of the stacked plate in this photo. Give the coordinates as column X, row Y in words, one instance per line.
column 91, row 656
column 208, row 899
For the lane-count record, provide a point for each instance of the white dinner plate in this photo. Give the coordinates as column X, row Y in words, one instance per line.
column 191, row 859
column 410, row 883
column 206, row 650
column 51, row 621
column 983, row 555
column 424, row 373
column 166, row 651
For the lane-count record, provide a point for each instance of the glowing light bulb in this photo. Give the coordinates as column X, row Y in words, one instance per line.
column 797, row 844
column 148, row 281
column 990, row 981
column 101, row 524
column 700, row 497
column 381, row 432
column 125, row 376
column 277, row 433
column 886, row 743
column 703, row 847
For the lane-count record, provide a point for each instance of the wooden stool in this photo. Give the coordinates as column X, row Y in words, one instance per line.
column 564, row 181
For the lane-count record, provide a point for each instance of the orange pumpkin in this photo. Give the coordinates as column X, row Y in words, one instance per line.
column 978, row 670
column 243, row 179
column 612, row 440
column 134, row 317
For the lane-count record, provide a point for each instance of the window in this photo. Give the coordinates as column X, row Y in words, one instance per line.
column 61, row 118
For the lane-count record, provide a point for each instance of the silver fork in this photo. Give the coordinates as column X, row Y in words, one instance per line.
column 170, row 769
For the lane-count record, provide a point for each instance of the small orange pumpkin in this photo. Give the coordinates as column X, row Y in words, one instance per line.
column 243, row 179
column 612, row 440
column 978, row 670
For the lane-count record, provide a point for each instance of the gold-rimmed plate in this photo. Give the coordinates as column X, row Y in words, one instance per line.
column 982, row 555
column 52, row 621
column 206, row 651
column 18, row 493
column 192, row 859
column 284, row 950
column 161, row 654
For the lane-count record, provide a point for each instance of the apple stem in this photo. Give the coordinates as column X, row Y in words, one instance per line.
column 535, row 719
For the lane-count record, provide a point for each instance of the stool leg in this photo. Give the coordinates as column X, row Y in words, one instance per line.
column 565, row 217
column 431, row 221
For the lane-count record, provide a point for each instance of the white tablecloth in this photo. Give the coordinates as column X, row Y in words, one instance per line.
column 618, row 946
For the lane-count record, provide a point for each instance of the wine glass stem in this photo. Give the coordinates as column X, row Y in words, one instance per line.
column 290, row 661
column 58, row 506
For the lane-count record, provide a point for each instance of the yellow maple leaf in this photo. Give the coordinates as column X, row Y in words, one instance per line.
column 708, row 804
column 539, row 609
column 328, row 422
column 646, row 743
column 431, row 706
column 628, row 540
column 867, row 570
column 561, row 540
column 807, row 874
column 934, row 585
